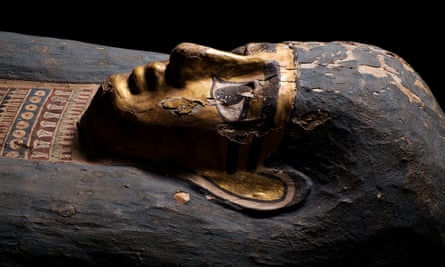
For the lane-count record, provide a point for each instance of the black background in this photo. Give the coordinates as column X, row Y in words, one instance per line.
column 412, row 31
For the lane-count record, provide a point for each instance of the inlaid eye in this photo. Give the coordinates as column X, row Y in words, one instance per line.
column 233, row 101
column 232, row 95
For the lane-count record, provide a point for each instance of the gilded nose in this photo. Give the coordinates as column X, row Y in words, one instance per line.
column 146, row 78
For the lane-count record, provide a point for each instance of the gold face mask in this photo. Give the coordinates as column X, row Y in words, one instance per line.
column 210, row 87
column 218, row 115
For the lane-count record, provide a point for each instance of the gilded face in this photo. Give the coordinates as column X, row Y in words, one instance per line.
column 202, row 95
column 212, row 112
column 203, row 87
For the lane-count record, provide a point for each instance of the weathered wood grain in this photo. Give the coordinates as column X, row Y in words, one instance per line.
column 60, row 213
column 37, row 58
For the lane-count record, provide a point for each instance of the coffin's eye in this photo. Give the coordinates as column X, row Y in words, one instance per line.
column 233, row 101
column 232, row 95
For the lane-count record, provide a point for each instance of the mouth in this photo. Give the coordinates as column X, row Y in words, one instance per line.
column 119, row 84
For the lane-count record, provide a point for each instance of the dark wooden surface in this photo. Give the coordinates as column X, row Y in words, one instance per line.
column 72, row 214
column 35, row 58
